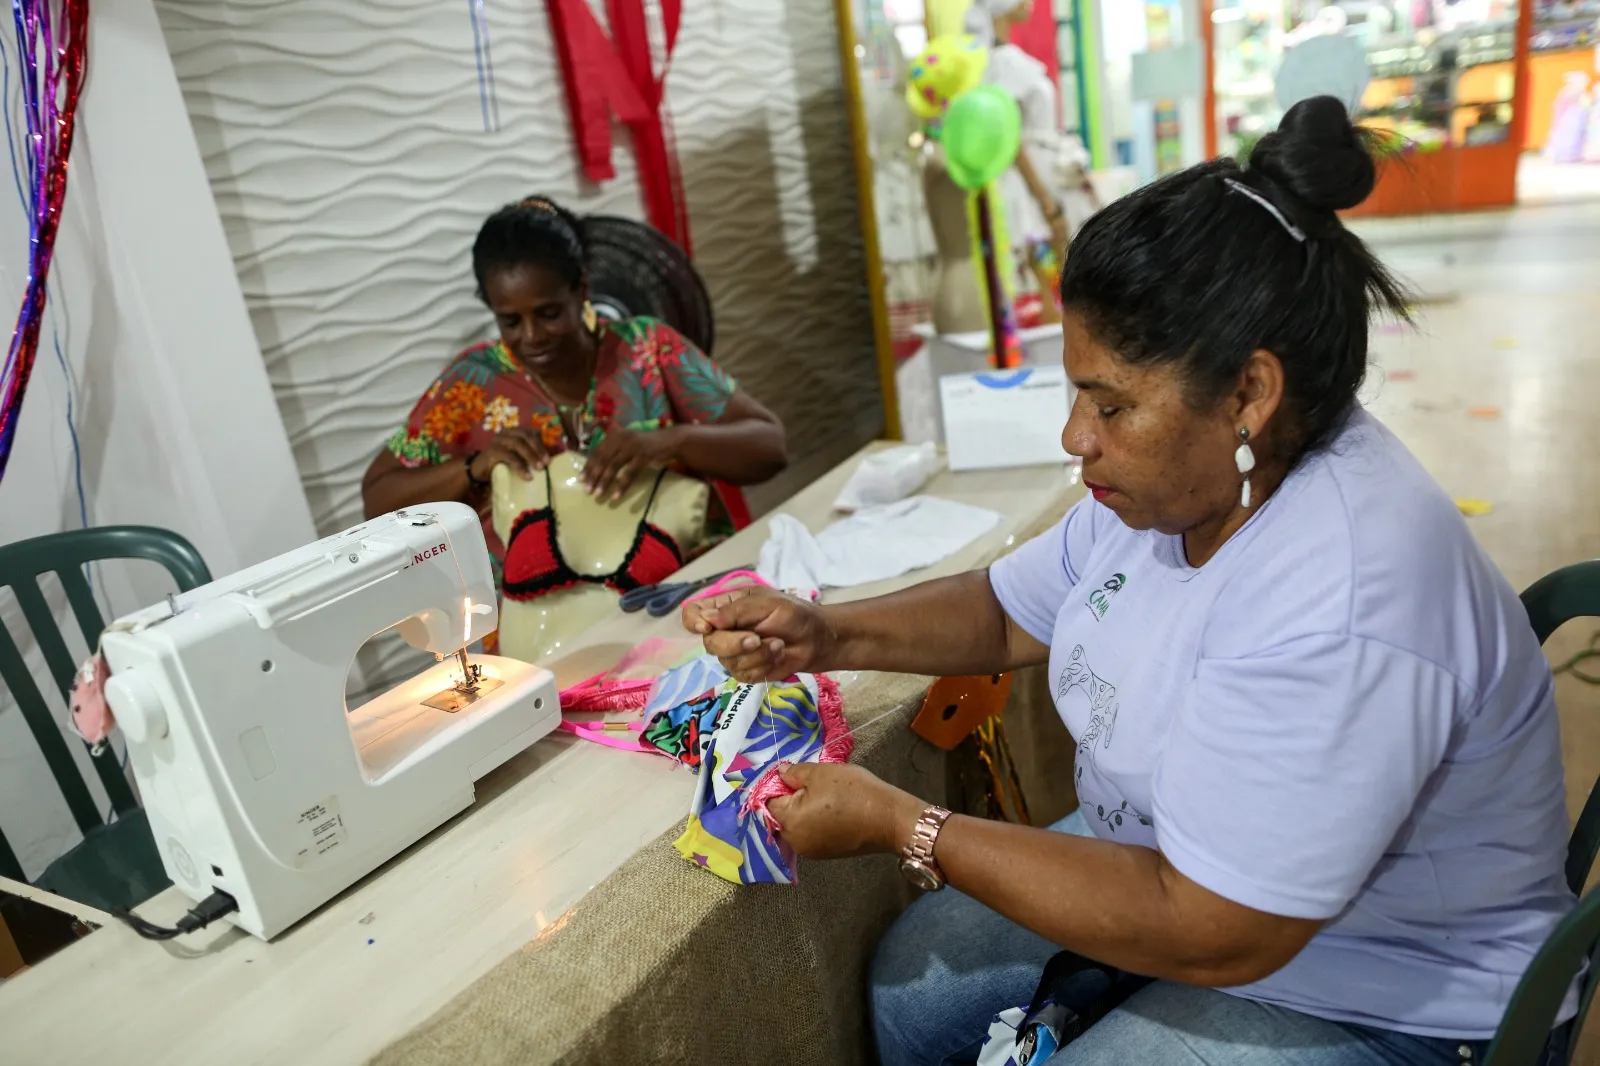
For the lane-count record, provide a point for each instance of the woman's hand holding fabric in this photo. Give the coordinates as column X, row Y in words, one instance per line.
column 621, row 456
column 520, row 449
column 759, row 634
column 838, row 810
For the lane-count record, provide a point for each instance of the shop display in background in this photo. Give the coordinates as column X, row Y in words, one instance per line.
column 888, row 32
column 1442, row 86
column 980, row 132
column 1159, row 16
column 972, row 130
column 928, row 278
column 1248, row 44
column 1574, row 123
column 1564, row 79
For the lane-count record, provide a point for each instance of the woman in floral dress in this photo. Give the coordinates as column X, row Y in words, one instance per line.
column 632, row 396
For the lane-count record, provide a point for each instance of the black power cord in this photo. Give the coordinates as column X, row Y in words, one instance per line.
column 201, row 915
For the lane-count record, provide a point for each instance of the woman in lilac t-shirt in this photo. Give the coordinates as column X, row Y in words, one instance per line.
column 1318, row 763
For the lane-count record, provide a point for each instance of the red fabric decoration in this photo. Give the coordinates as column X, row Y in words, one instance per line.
column 614, row 75
column 733, row 501
column 1038, row 38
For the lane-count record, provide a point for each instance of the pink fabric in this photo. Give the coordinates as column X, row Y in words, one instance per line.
column 91, row 715
column 744, row 579
column 837, row 743
column 612, row 691
column 601, row 693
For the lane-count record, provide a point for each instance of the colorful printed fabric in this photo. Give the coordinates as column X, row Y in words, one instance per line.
column 735, row 736
column 648, row 376
column 1074, row 992
column 684, row 683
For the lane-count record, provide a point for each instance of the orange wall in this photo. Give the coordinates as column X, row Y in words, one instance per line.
column 1547, row 71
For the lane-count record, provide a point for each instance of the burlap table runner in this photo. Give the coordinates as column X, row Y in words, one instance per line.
column 665, row 963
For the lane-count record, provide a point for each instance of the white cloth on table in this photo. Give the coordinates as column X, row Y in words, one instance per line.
column 873, row 544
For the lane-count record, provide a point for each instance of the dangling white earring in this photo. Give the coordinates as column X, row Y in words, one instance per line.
column 1245, row 460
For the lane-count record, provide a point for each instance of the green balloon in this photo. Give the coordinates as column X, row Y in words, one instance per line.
column 982, row 130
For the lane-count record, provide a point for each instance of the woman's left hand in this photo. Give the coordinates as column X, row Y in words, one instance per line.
column 621, row 456
column 840, row 810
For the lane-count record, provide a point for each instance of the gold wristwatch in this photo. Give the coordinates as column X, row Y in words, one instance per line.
column 917, row 864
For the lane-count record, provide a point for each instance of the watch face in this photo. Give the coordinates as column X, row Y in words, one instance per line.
column 920, row 876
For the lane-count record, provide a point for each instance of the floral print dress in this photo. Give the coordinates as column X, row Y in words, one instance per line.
column 647, row 376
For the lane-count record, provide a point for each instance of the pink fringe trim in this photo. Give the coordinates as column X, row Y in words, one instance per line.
column 837, row 744
column 596, row 694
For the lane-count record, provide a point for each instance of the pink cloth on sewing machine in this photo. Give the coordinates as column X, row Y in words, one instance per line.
column 91, row 715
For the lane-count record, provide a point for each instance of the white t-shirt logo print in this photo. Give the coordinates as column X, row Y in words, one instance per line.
column 1100, row 599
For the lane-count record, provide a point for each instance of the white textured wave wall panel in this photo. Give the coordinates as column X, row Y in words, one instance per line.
column 346, row 149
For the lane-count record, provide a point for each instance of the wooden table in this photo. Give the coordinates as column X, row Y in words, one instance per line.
column 364, row 970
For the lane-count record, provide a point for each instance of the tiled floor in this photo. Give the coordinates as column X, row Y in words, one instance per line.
column 1497, row 393
column 1542, row 182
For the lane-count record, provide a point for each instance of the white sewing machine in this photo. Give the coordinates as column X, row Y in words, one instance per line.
column 256, row 777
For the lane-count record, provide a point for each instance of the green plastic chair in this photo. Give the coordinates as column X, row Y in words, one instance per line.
column 1558, row 598
column 116, row 865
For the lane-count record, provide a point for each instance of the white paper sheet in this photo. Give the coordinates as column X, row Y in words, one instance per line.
column 1004, row 418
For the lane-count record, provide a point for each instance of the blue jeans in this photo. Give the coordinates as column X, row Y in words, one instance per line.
column 950, row 964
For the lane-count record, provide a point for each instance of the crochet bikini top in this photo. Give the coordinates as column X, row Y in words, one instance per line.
column 535, row 565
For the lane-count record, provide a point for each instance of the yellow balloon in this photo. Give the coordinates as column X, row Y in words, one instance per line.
column 950, row 66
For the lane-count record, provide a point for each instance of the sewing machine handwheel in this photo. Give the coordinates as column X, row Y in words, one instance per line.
column 136, row 707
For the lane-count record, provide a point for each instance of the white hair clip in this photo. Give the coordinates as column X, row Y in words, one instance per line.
column 1294, row 231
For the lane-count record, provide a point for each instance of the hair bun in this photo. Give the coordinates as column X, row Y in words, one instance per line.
column 1318, row 156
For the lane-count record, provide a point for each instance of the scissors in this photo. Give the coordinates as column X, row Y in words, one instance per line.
column 662, row 598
